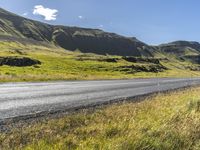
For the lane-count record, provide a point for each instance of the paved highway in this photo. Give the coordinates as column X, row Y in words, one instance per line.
column 26, row 99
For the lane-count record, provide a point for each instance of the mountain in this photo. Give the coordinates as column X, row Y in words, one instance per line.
column 183, row 50
column 16, row 28
column 71, row 38
column 181, row 47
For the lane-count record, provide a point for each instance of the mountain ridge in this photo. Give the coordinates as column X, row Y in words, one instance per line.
column 86, row 40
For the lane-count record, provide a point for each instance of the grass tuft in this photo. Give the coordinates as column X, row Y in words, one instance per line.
column 194, row 105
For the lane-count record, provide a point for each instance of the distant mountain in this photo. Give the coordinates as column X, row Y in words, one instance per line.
column 184, row 50
column 181, row 48
column 71, row 38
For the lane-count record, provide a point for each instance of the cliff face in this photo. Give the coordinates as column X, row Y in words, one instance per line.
column 98, row 41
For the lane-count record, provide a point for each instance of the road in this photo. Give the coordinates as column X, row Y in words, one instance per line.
column 26, row 99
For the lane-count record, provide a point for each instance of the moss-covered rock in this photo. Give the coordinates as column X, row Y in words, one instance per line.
column 18, row 61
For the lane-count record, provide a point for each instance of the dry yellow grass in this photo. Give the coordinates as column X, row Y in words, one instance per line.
column 164, row 121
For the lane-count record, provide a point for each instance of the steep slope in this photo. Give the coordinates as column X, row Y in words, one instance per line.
column 72, row 38
column 14, row 25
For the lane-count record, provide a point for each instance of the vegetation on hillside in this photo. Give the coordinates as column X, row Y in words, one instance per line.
column 58, row 64
column 163, row 121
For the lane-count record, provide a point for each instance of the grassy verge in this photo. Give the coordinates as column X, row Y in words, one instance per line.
column 164, row 121
column 59, row 64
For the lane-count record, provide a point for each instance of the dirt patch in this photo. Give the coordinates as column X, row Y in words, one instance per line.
column 18, row 61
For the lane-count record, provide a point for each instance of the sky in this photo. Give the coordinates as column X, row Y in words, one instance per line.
column 151, row 21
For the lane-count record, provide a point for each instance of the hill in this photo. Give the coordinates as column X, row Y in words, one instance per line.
column 182, row 50
column 71, row 38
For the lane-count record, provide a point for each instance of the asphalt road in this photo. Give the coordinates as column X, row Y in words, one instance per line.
column 26, row 99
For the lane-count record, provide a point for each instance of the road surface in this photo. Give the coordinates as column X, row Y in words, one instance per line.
column 26, row 99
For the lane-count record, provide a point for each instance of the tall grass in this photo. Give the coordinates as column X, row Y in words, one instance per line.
column 164, row 121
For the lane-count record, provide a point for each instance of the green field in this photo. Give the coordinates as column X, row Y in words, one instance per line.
column 163, row 121
column 59, row 64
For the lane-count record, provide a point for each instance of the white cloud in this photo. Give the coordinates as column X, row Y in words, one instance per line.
column 25, row 14
column 100, row 26
column 47, row 13
column 80, row 17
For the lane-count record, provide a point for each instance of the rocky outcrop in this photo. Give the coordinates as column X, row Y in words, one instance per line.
column 142, row 68
column 18, row 61
column 141, row 60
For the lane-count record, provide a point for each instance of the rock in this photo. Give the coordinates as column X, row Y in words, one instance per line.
column 142, row 68
column 139, row 59
column 18, row 61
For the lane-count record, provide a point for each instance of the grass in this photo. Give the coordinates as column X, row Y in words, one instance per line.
column 59, row 64
column 163, row 121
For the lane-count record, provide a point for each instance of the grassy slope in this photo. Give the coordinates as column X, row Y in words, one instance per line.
column 164, row 121
column 59, row 64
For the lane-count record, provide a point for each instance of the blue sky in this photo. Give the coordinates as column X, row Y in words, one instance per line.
column 152, row 21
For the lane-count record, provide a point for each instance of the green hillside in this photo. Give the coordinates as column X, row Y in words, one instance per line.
column 59, row 64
